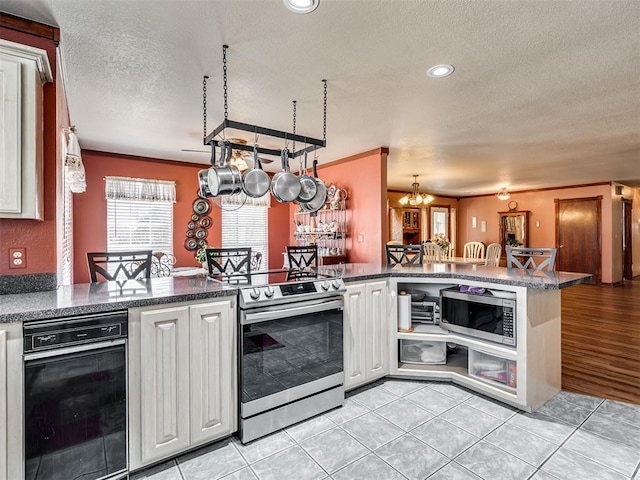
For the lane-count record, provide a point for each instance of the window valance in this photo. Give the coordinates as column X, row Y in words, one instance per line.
column 125, row 188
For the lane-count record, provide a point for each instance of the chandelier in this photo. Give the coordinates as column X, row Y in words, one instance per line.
column 415, row 198
column 503, row 194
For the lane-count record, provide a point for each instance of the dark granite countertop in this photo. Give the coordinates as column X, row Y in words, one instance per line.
column 479, row 273
column 83, row 299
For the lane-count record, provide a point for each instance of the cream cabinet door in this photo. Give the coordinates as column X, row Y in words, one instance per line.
column 164, row 382
column 376, row 343
column 11, row 409
column 354, row 336
column 212, row 371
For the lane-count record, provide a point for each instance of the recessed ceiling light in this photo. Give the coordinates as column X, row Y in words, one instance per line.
column 301, row 6
column 439, row 71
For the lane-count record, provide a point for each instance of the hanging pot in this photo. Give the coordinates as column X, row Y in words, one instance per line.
column 225, row 179
column 308, row 187
column 285, row 186
column 320, row 198
column 255, row 182
column 203, row 176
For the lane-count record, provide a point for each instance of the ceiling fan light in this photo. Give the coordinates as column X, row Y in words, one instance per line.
column 503, row 194
column 301, row 6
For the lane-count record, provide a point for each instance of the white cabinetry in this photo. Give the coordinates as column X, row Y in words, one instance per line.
column 182, row 369
column 366, row 321
column 23, row 71
column 11, row 379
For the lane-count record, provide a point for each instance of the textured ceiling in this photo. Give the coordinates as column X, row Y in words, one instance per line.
column 545, row 93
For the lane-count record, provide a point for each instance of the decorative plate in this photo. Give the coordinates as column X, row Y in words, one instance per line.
column 195, row 217
column 331, row 191
column 201, row 233
column 205, row 222
column 201, row 206
column 513, row 205
column 190, row 233
column 191, row 225
column 190, row 244
column 202, row 242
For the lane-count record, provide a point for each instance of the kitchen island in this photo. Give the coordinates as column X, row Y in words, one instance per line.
column 183, row 330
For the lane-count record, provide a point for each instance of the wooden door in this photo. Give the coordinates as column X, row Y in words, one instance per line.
column 354, row 336
column 376, row 349
column 627, row 253
column 579, row 236
column 212, row 371
column 164, row 382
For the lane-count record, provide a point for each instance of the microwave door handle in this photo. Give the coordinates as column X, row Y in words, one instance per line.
column 473, row 298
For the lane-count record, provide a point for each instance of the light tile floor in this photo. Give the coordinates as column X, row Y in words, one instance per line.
column 399, row 429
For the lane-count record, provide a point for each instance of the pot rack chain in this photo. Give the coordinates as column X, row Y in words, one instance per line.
column 324, row 113
column 294, row 124
column 224, row 78
column 204, row 106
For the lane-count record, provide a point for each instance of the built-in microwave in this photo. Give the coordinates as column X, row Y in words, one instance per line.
column 479, row 312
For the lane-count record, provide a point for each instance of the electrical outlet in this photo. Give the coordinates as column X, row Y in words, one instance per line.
column 17, row 258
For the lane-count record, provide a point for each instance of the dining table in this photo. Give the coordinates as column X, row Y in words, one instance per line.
column 462, row 260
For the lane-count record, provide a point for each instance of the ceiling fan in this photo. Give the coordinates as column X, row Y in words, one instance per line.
column 238, row 157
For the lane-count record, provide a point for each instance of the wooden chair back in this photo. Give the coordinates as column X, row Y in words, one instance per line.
column 531, row 258
column 431, row 252
column 474, row 250
column 119, row 265
column 404, row 254
column 494, row 252
column 302, row 257
column 228, row 261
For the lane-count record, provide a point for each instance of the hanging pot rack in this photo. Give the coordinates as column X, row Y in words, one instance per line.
column 311, row 144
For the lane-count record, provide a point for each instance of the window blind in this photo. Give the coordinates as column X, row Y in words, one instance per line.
column 247, row 227
column 66, row 271
column 139, row 214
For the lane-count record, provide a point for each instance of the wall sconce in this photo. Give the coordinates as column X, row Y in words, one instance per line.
column 503, row 194
column 618, row 189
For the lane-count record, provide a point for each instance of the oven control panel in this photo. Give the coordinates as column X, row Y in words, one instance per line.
column 290, row 292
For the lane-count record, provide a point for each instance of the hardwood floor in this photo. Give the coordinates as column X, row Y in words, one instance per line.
column 601, row 341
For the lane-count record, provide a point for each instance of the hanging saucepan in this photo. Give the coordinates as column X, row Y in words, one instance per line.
column 225, row 179
column 320, row 198
column 255, row 181
column 203, row 180
column 308, row 187
column 285, row 186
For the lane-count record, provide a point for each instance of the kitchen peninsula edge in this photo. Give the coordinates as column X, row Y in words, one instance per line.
column 81, row 299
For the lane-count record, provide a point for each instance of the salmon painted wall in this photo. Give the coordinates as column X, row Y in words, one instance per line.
column 365, row 178
column 279, row 219
column 38, row 237
column 542, row 207
column 90, row 208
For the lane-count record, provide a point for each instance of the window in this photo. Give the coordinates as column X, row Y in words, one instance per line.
column 443, row 220
column 246, row 226
column 139, row 214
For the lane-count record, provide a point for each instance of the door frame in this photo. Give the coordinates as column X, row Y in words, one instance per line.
column 627, row 239
column 597, row 276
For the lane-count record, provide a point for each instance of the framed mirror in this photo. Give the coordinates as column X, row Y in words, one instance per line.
column 514, row 229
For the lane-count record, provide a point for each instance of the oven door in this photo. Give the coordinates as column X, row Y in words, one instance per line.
column 289, row 352
column 75, row 412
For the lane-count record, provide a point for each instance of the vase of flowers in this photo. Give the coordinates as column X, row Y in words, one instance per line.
column 443, row 242
column 201, row 255
column 513, row 242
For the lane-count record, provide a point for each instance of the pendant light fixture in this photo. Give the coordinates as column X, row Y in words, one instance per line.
column 415, row 198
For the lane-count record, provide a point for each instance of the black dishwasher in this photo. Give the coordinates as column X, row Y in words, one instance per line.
column 75, row 382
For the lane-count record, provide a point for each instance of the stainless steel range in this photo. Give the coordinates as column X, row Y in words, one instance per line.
column 290, row 350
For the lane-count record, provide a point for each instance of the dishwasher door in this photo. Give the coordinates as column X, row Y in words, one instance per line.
column 75, row 400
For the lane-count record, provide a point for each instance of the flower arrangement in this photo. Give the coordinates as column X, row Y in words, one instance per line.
column 442, row 241
column 513, row 242
column 201, row 255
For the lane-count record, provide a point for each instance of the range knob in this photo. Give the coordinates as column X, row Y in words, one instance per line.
column 336, row 284
column 255, row 293
column 269, row 292
column 325, row 285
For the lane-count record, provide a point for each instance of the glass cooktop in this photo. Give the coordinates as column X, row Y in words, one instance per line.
column 270, row 277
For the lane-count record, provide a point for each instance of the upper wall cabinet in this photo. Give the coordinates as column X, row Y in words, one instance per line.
column 23, row 72
column 514, row 228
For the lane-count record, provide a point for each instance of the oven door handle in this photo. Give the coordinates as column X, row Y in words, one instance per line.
column 265, row 316
column 55, row 352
